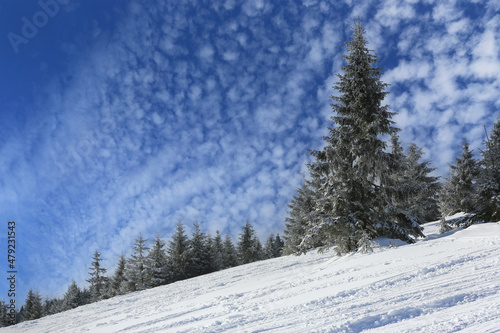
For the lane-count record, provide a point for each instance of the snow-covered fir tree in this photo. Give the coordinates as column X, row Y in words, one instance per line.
column 273, row 247
column 458, row 192
column 423, row 202
column 300, row 224
column 230, row 254
column 488, row 182
column 85, row 296
column 119, row 282
column 278, row 246
column 249, row 247
column 199, row 261
column 356, row 197
column 52, row 306
column 72, row 297
column 178, row 252
column 158, row 263
column 97, row 279
column 397, row 192
column 32, row 306
column 268, row 247
column 137, row 268
column 216, row 252
column 413, row 191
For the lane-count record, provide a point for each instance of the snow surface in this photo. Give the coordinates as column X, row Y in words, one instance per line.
column 444, row 283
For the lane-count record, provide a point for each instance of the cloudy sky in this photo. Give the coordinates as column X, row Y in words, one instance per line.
column 120, row 117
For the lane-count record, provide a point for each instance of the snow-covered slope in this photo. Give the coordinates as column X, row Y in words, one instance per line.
column 441, row 284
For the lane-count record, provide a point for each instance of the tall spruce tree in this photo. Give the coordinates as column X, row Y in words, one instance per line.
column 278, row 246
column 33, row 306
column 424, row 202
column 300, row 224
column 119, row 282
column 217, row 252
column 414, row 191
column 178, row 252
column 459, row 192
column 85, row 296
column 398, row 190
column 273, row 247
column 249, row 247
column 72, row 297
column 158, row 263
column 137, row 269
column 268, row 247
column 97, row 279
column 229, row 255
column 488, row 184
column 354, row 201
column 199, row 262
column 53, row 306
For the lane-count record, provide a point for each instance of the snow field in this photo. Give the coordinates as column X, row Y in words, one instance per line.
column 440, row 284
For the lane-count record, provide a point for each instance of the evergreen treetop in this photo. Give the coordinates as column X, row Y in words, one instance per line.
column 357, row 196
column 178, row 251
column 97, row 279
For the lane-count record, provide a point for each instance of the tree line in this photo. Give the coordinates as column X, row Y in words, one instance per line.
column 473, row 186
column 153, row 265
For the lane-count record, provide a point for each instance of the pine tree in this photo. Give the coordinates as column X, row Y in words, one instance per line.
column 249, row 247
column 273, row 247
column 488, row 184
column 179, row 253
column 37, row 309
column 300, row 225
column 398, row 191
column 278, row 246
column 85, row 296
column 412, row 192
column 268, row 247
column 97, row 279
column 107, row 291
column 229, row 255
column 459, row 192
column 32, row 306
column 199, row 262
column 20, row 315
column 137, row 269
column 158, row 262
column 423, row 201
column 51, row 306
column 119, row 282
column 356, row 197
column 259, row 250
column 72, row 298
column 217, row 253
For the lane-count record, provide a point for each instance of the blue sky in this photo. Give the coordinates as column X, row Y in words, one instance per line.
column 120, row 117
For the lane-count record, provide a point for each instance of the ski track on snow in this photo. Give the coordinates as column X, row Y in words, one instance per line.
column 440, row 284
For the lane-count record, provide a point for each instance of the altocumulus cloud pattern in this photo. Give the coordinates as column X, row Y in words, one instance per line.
column 124, row 117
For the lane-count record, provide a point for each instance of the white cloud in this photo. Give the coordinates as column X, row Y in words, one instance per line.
column 206, row 52
column 392, row 12
column 230, row 56
column 255, row 7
